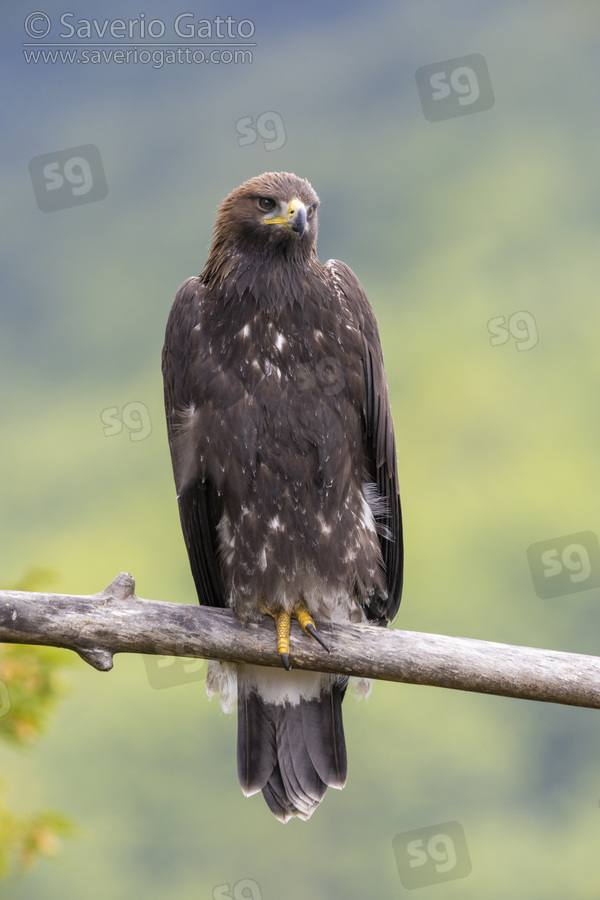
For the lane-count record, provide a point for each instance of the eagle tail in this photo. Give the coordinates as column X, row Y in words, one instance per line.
column 292, row 751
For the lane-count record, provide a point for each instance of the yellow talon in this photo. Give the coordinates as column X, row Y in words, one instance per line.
column 283, row 621
column 304, row 617
column 308, row 625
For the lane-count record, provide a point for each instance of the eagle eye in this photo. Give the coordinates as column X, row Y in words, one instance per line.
column 266, row 203
column 310, row 211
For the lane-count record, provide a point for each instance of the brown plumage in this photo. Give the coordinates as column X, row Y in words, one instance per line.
column 285, row 465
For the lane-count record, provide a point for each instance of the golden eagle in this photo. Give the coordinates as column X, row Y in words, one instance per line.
column 284, row 458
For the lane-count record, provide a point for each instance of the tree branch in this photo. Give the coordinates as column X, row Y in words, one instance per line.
column 116, row 621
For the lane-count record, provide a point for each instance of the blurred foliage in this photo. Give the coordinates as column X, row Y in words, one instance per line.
column 23, row 841
column 32, row 682
column 36, row 682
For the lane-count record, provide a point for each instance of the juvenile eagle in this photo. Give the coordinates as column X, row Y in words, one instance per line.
column 284, row 458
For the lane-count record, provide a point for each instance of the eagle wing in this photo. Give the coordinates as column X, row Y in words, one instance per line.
column 200, row 507
column 380, row 444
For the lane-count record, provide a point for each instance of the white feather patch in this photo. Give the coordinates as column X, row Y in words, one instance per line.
column 360, row 687
column 221, row 679
column 278, row 686
column 380, row 508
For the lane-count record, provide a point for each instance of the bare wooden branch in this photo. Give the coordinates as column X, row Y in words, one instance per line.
column 116, row 621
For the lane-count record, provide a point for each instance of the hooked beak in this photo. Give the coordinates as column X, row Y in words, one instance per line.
column 295, row 219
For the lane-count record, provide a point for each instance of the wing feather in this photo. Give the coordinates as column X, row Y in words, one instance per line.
column 380, row 443
column 200, row 508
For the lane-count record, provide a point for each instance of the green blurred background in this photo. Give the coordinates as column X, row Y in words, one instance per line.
column 448, row 224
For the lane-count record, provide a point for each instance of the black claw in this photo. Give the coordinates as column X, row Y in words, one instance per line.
column 314, row 633
column 285, row 661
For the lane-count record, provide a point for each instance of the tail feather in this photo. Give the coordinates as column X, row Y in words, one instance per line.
column 292, row 751
column 323, row 731
column 276, row 798
column 256, row 748
column 302, row 783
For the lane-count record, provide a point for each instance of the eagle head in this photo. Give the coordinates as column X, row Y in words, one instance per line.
column 274, row 212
